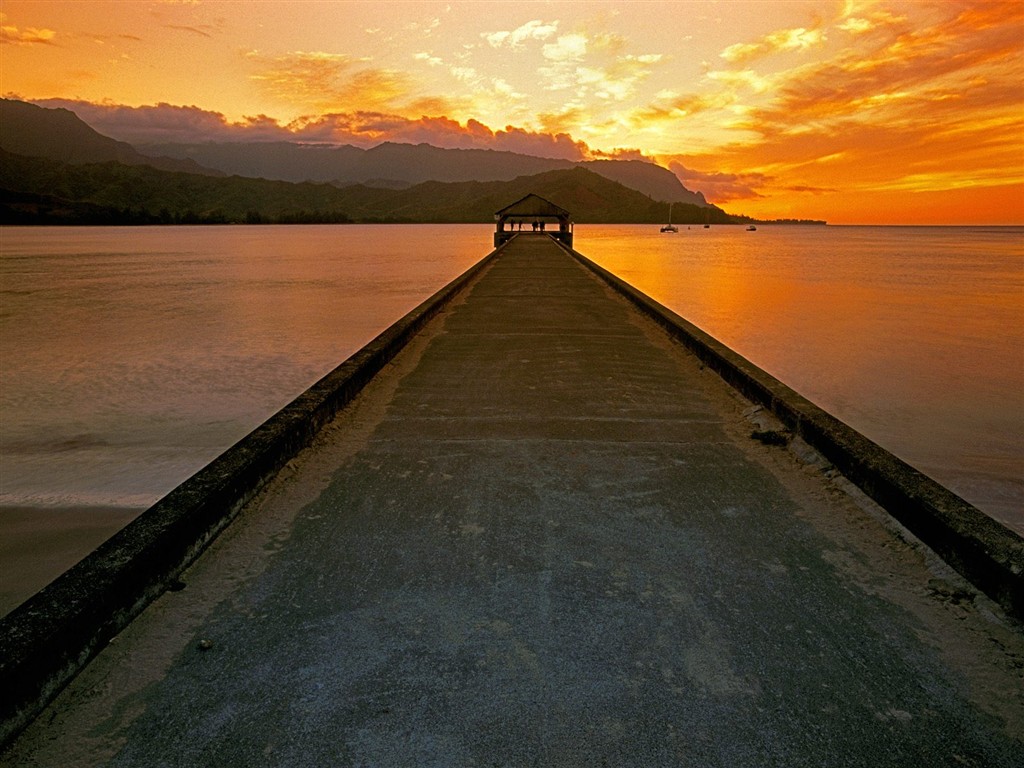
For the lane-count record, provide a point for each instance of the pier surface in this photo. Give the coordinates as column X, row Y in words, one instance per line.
column 544, row 536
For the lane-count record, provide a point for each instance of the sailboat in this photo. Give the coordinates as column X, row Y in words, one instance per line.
column 669, row 227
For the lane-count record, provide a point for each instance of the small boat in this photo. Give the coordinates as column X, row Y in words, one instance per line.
column 670, row 227
column 751, row 228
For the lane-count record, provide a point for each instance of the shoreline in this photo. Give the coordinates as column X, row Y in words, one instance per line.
column 41, row 543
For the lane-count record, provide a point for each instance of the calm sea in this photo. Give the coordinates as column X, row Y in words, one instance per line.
column 912, row 335
column 131, row 357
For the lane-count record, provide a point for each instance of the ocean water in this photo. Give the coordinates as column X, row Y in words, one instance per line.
column 130, row 357
column 912, row 335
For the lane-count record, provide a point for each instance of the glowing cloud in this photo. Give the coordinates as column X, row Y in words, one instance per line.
column 718, row 186
column 163, row 123
column 432, row 60
column 10, row 34
column 531, row 30
column 326, row 81
column 160, row 123
column 566, row 48
column 784, row 40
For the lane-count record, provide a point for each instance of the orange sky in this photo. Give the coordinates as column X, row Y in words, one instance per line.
column 854, row 111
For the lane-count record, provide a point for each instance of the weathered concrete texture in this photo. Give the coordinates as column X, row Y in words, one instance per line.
column 544, row 537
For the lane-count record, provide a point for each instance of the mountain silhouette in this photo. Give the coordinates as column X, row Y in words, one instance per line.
column 57, row 169
column 59, row 134
column 395, row 165
column 37, row 190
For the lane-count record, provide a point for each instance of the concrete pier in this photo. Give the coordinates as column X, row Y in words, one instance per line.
column 543, row 535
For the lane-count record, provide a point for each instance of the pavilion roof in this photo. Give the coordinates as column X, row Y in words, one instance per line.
column 532, row 205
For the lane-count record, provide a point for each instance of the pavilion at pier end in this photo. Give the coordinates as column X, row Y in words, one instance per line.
column 532, row 214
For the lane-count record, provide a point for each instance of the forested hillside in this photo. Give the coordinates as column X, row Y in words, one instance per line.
column 37, row 190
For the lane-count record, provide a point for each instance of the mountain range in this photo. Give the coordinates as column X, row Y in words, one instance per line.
column 36, row 190
column 395, row 166
column 59, row 134
column 56, row 169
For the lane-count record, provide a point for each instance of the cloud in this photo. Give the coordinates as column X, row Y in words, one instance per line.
column 862, row 16
column 12, row 35
column 327, row 82
column 368, row 129
column 202, row 31
column 429, row 58
column 504, row 89
column 717, row 186
column 856, row 25
column 744, row 78
column 559, row 145
column 563, row 121
column 161, row 123
column 531, row 30
column 904, row 106
column 671, row 108
column 621, row 154
column 811, row 190
column 167, row 123
column 909, row 75
column 433, row 105
column 426, row 27
column 566, row 48
column 594, row 67
column 798, row 39
column 305, row 70
column 466, row 75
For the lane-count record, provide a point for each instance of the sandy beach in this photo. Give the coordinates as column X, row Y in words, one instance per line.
column 40, row 543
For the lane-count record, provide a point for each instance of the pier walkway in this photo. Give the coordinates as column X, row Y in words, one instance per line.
column 544, row 536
